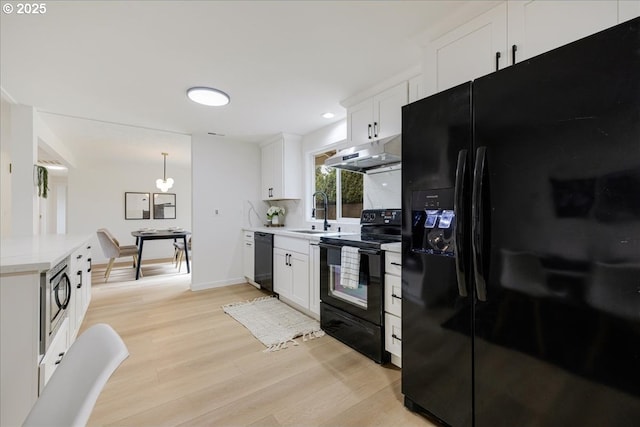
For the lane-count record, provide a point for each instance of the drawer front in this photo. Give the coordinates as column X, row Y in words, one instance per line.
column 291, row 244
column 393, row 295
column 248, row 235
column 393, row 263
column 393, row 334
column 54, row 354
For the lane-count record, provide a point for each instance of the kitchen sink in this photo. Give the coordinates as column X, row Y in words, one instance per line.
column 311, row 231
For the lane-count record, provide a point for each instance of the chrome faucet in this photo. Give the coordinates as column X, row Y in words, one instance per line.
column 326, row 208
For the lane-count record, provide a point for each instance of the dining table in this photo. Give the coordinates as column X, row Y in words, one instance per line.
column 142, row 235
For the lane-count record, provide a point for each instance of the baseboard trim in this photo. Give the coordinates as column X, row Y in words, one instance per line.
column 130, row 262
column 217, row 284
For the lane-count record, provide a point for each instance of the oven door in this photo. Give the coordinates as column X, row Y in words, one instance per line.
column 60, row 287
column 363, row 300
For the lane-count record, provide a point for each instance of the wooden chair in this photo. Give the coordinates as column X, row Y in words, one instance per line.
column 72, row 392
column 112, row 250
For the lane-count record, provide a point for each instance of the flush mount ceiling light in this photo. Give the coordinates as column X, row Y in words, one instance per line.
column 328, row 115
column 208, row 96
column 164, row 183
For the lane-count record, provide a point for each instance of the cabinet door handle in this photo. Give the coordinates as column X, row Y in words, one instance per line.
column 396, row 263
column 375, row 129
column 395, row 337
column 514, row 49
column 498, row 55
column 395, row 296
column 369, row 130
column 79, row 256
column 60, row 355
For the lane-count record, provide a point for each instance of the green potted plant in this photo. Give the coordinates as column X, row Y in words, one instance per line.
column 42, row 180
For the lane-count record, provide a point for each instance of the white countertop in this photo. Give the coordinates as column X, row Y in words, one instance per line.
column 37, row 253
column 284, row 231
column 392, row 247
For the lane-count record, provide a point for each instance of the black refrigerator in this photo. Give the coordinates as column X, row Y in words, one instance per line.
column 521, row 242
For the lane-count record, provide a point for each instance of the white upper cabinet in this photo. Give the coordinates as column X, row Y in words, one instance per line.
column 538, row 26
column 469, row 51
column 360, row 121
column 416, row 88
column 281, row 168
column 512, row 32
column 377, row 117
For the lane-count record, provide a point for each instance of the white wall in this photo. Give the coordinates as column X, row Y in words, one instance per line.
column 225, row 174
column 23, row 147
column 5, row 161
column 95, row 199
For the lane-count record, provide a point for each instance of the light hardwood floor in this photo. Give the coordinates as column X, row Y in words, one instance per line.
column 191, row 364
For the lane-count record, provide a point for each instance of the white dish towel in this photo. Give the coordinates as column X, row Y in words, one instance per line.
column 350, row 267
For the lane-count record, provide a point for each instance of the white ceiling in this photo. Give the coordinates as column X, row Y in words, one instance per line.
column 130, row 62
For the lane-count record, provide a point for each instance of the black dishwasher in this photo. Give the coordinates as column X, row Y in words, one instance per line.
column 263, row 273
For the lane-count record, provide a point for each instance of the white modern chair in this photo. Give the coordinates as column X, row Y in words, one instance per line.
column 71, row 393
column 112, row 250
column 178, row 256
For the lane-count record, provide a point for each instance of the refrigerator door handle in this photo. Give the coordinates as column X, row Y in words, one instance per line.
column 476, row 224
column 458, row 209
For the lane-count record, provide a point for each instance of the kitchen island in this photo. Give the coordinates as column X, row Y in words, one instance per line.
column 23, row 263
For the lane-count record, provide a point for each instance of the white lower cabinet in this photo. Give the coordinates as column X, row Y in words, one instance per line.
column 248, row 251
column 291, row 269
column 54, row 355
column 314, row 278
column 23, row 369
column 80, row 275
column 291, row 276
column 393, row 337
column 393, row 306
column 393, row 295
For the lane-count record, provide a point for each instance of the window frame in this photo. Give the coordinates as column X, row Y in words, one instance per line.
column 312, row 187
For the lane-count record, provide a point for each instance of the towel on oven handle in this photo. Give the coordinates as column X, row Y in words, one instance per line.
column 349, row 267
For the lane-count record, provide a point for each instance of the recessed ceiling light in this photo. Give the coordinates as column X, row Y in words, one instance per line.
column 208, row 96
column 328, row 115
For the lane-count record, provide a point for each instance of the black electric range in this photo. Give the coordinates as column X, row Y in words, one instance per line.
column 352, row 283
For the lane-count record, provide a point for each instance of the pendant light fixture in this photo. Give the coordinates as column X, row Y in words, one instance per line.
column 164, row 183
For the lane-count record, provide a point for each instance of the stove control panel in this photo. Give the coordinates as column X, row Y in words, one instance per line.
column 381, row 216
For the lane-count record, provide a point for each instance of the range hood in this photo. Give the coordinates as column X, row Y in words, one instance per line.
column 365, row 157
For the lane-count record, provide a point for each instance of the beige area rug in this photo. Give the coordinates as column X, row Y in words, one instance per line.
column 273, row 322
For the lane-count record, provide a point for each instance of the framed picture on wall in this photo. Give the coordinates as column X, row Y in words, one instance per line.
column 164, row 206
column 137, row 205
